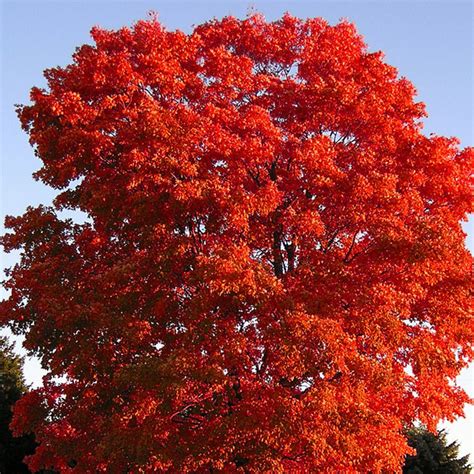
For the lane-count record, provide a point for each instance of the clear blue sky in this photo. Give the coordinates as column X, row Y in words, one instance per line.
column 431, row 43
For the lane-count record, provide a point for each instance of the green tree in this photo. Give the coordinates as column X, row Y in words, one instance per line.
column 434, row 454
column 12, row 387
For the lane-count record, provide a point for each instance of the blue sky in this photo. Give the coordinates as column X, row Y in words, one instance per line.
column 430, row 42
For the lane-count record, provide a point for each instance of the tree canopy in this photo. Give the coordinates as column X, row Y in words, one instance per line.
column 12, row 387
column 434, row 454
column 272, row 275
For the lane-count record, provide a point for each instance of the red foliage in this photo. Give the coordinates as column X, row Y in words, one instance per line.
column 273, row 276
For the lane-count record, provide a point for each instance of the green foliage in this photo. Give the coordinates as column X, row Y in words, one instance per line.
column 12, row 387
column 434, row 454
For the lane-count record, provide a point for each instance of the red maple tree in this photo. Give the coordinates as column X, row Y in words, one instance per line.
column 272, row 276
